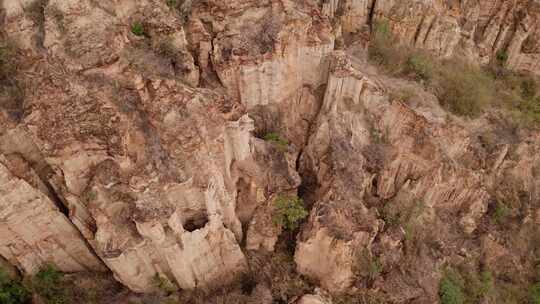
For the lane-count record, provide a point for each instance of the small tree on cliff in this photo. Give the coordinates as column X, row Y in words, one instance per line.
column 289, row 211
column 11, row 291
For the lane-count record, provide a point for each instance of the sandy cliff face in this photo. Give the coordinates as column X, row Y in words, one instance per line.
column 142, row 154
column 477, row 30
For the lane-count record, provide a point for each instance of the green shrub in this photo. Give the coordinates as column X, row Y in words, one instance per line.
column 164, row 284
column 403, row 214
column 451, row 288
column 420, row 66
column 49, row 284
column 367, row 265
column 137, row 29
column 534, row 294
column 465, row 285
column 501, row 212
column 396, row 59
column 382, row 30
column 478, row 286
column 289, row 211
column 501, row 56
column 11, row 291
column 487, row 283
column 375, row 269
column 172, row 3
column 90, row 196
column 518, row 94
column 277, row 140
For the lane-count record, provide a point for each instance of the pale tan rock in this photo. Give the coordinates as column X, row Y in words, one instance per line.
column 263, row 232
column 204, row 258
column 30, row 220
column 327, row 259
column 329, row 254
column 365, row 151
column 312, row 299
column 477, row 30
column 156, row 152
column 351, row 14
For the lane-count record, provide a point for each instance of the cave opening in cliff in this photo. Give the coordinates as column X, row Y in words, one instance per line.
column 196, row 222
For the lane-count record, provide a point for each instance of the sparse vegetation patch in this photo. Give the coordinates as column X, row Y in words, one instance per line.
column 465, row 285
column 164, row 284
column 463, row 88
column 12, row 291
column 277, row 140
column 49, row 284
column 501, row 212
column 451, row 288
column 534, row 294
column 501, row 56
column 289, row 211
column 137, row 28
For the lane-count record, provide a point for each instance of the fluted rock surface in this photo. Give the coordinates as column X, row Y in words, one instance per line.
column 137, row 145
column 382, row 172
column 481, row 31
column 34, row 231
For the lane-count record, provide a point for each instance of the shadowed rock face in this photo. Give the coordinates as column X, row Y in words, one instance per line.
column 140, row 153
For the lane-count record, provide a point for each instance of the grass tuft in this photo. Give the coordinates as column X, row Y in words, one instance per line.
column 277, row 140
column 137, row 29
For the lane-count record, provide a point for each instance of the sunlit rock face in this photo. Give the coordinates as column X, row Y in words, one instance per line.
column 137, row 145
column 481, row 31
column 34, row 231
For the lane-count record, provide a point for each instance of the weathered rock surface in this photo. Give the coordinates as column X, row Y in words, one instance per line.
column 34, row 231
column 142, row 153
column 477, row 30
column 312, row 299
column 371, row 159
